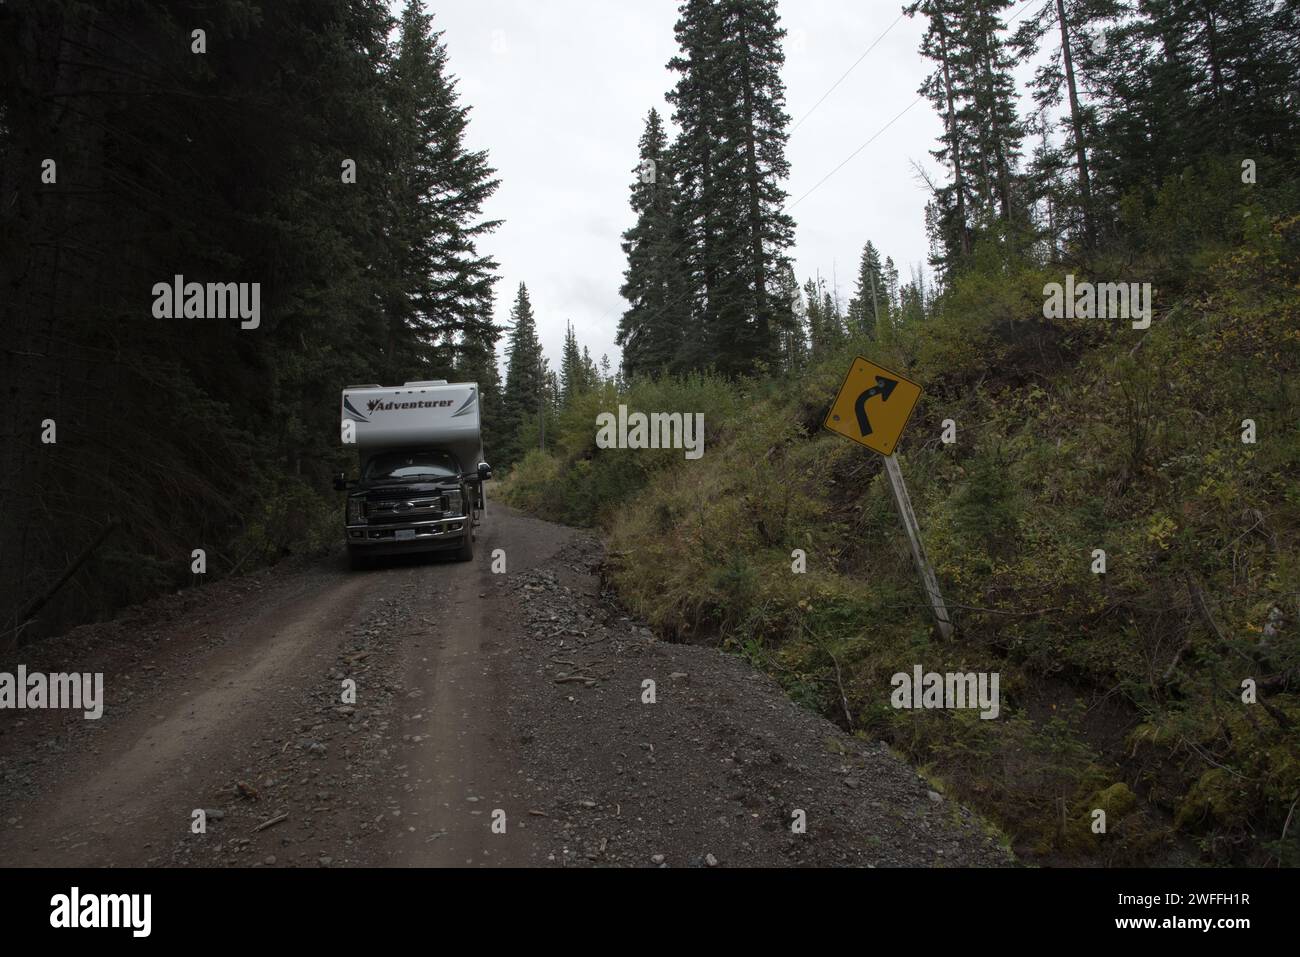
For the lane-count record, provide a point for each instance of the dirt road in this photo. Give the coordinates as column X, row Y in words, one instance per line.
column 499, row 719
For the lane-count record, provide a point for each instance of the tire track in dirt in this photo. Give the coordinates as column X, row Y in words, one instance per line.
column 465, row 758
column 137, row 785
column 476, row 692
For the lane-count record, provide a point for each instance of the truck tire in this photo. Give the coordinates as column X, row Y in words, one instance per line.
column 358, row 560
column 466, row 551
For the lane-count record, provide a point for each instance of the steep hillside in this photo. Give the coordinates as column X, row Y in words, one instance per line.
column 1120, row 691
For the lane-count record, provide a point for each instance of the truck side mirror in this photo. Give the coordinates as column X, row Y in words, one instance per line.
column 340, row 482
column 484, row 471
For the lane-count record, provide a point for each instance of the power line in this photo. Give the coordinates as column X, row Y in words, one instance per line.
column 873, row 45
column 856, row 152
column 847, row 72
column 1023, row 7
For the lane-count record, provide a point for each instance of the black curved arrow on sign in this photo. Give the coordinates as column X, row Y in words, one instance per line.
column 883, row 388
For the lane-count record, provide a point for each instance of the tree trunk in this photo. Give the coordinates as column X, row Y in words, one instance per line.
column 761, row 319
column 1076, row 120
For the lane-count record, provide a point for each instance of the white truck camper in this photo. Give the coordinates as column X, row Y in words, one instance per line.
column 420, row 486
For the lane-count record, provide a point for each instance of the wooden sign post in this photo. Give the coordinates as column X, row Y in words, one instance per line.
column 923, row 567
column 872, row 409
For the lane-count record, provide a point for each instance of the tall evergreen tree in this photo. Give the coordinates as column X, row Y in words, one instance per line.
column 817, row 333
column 578, row 374
column 826, row 329
column 525, row 379
column 991, row 108
column 729, row 159
column 651, row 330
column 590, row 374
column 891, row 285
column 791, row 331
column 440, row 298
column 1076, row 25
column 694, row 157
column 950, row 217
column 973, row 89
column 868, row 311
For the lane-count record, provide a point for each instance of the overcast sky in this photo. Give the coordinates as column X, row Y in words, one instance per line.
column 560, row 90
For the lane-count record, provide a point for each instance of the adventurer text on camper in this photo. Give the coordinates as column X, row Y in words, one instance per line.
column 379, row 405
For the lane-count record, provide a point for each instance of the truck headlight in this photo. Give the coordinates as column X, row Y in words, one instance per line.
column 356, row 511
column 454, row 503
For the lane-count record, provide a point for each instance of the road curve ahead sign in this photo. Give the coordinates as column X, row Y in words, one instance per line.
column 873, row 406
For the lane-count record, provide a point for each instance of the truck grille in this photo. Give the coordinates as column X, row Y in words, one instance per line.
column 404, row 510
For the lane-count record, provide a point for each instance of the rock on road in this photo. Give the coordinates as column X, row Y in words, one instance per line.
column 499, row 720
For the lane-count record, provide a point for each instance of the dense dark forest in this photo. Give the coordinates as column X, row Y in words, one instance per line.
column 313, row 148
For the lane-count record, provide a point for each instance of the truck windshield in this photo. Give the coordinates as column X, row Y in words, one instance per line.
column 396, row 466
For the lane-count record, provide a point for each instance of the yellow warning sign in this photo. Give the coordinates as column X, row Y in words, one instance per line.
column 873, row 406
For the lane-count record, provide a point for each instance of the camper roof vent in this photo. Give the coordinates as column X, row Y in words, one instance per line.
column 431, row 382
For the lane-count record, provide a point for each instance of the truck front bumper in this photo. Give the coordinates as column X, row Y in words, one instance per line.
column 409, row 537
